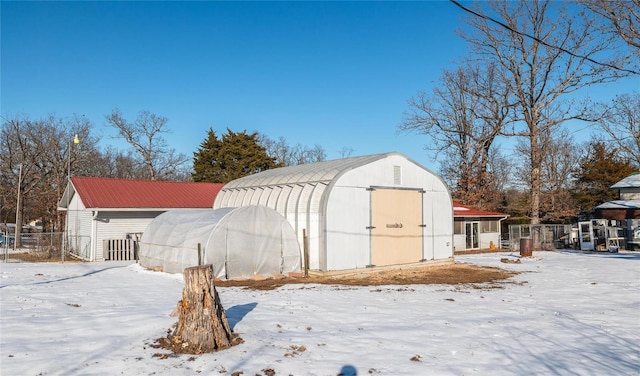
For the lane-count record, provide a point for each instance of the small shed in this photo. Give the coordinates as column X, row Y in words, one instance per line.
column 629, row 187
column 238, row 242
column 619, row 210
column 375, row 210
column 628, row 206
column 476, row 229
column 106, row 216
column 624, row 214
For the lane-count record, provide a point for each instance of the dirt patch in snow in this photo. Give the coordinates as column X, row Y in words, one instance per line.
column 40, row 256
column 454, row 274
column 451, row 274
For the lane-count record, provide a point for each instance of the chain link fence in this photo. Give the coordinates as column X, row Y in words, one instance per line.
column 545, row 237
column 79, row 247
column 38, row 245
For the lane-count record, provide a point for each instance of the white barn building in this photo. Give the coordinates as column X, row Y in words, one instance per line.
column 375, row 210
column 106, row 217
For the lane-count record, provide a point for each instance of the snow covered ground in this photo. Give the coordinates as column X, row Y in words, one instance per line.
column 568, row 314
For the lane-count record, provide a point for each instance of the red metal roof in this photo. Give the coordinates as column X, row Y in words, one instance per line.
column 460, row 210
column 125, row 193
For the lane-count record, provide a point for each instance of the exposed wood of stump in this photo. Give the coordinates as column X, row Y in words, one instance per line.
column 203, row 325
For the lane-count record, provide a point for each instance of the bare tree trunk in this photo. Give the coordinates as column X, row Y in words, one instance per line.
column 536, row 164
column 203, row 325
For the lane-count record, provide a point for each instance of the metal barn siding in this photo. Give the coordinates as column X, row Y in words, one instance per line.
column 346, row 232
column 331, row 202
column 272, row 202
column 348, row 239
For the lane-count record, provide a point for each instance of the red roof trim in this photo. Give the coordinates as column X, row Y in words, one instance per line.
column 143, row 194
column 460, row 211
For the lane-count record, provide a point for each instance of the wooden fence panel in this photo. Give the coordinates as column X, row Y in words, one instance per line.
column 120, row 249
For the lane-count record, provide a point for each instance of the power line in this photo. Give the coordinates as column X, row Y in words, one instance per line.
column 540, row 40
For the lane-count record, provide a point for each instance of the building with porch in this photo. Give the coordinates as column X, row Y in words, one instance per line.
column 476, row 229
column 619, row 219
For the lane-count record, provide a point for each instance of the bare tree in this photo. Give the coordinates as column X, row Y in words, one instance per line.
column 462, row 117
column 113, row 163
column 622, row 18
column 621, row 121
column 502, row 167
column 530, row 47
column 145, row 136
column 345, row 152
column 560, row 160
column 287, row 155
column 305, row 154
column 35, row 159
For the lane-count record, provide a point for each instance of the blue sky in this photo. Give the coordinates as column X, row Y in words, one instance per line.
column 337, row 74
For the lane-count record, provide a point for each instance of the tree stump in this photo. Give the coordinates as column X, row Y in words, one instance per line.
column 203, row 325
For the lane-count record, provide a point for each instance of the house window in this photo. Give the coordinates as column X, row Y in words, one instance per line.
column 489, row 226
column 458, row 227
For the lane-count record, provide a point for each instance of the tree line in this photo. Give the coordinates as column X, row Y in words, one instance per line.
column 528, row 62
column 37, row 157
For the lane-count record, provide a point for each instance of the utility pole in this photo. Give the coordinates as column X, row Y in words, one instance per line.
column 16, row 240
column 76, row 141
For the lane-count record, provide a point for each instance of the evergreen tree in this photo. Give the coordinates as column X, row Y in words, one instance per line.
column 234, row 155
column 602, row 168
column 205, row 158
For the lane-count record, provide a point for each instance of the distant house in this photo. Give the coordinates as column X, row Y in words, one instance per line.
column 622, row 216
column 628, row 206
column 106, row 216
column 629, row 187
column 475, row 229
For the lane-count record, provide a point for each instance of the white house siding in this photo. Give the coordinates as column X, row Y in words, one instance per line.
column 117, row 224
column 484, row 238
column 485, row 241
column 84, row 232
column 488, row 238
column 630, row 193
column 79, row 228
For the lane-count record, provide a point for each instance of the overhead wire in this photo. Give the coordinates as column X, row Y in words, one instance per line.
column 491, row 19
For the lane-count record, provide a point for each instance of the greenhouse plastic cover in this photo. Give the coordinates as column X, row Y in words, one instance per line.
column 238, row 242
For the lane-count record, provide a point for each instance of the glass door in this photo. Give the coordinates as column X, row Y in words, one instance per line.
column 585, row 232
column 471, row 231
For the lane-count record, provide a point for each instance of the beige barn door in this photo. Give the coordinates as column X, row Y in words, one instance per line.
column 396, row 226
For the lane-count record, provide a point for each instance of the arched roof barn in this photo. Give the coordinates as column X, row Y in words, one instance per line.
column 381, row 209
